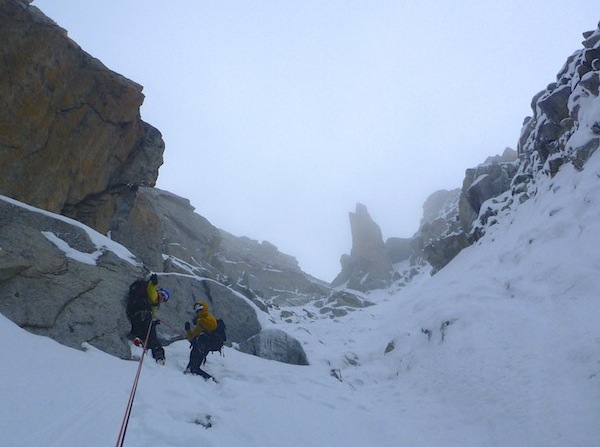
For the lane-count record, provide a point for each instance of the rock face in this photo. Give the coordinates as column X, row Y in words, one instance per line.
column 564, row 128
column 262, row 270
column 160, row 227
column 368, row 266
column 485, row 181
column 71, row 137
column 48, row 293
column 275, row 344
column 446, row 229
column 61, row 279
column 164, row 231
column 558, row 132
column 440, row 236
column 341, row 302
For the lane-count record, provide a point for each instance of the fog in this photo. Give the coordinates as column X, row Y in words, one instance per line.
column 278, row 117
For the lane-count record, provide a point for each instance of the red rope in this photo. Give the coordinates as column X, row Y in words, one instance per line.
column 125, row 423
column 173, row 329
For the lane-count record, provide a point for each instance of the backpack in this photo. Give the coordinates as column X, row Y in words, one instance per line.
column 216, row 339
column 136, row 298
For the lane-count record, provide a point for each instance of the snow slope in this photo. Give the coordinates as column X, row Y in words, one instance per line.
column 500, row 348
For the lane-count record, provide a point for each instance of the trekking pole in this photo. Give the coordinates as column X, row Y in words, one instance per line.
column 125, row 423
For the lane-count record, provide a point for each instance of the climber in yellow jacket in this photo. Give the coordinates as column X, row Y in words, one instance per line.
column 199, row 338
column 205, row 321
column 153, row 296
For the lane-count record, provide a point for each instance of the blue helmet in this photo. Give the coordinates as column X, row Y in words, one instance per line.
column 165, row 294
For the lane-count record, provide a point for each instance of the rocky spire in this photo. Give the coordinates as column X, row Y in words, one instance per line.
column 368, row 266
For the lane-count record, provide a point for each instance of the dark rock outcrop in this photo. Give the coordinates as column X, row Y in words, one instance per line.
column 446, row 232
column 439, row 227
column 399, row 249
column 486, row 181
column 71, row 137
column 564, row 129
column 556, row 133
column 368, row 266
column 274, row 344
column 341, row 302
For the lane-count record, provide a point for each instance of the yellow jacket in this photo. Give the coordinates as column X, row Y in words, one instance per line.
column 205, row 322
column 152, row 296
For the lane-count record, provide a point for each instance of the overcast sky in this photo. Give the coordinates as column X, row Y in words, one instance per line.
column 279, row 116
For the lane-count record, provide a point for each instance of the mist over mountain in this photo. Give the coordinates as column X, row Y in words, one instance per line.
column 478, row 330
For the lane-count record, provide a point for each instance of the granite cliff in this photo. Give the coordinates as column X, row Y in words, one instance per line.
column 71, row 137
